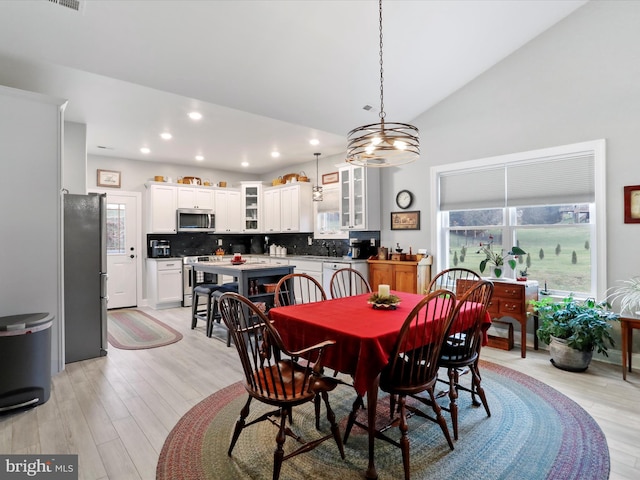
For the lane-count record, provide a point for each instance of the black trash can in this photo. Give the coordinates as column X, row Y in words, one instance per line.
column 25, row 360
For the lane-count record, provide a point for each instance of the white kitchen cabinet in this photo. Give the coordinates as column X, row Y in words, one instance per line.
column 228, row 208
column 359, row 198
column 161, row 208
column 195, row 197
column 271, row 210
column 288, row 208
column 164, row 281
column 251, row 206
column 311, row 268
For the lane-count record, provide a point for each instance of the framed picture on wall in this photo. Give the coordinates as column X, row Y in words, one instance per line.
column 405, row 220
column 108, row 178
column 330, row 178
column 632, row 204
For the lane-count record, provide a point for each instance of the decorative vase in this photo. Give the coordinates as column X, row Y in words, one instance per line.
column 497, row 271
column 566, row 358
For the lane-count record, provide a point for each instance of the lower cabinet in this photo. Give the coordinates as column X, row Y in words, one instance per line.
column 164, row 282
column 402, row 276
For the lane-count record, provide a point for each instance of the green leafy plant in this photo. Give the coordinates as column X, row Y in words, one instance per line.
column 585, row 325
column 498, row 259
column 628, row 293
column 388, row 300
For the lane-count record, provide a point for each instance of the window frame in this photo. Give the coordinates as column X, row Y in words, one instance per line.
column 596, row 148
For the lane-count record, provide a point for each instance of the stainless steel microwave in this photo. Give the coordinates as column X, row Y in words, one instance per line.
column 196, row 220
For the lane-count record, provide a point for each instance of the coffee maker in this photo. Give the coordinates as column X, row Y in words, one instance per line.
column 159, row 249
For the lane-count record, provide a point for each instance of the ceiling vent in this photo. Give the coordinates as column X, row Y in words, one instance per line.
column 72, row 4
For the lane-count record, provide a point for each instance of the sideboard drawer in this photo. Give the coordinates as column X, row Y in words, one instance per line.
column 515, row 292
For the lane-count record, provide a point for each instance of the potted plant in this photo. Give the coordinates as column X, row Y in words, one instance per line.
column 628, row 293
column 573, row 329
column 498, row 259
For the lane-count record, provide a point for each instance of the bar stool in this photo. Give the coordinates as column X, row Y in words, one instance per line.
column 215, row 297
column 204, row 291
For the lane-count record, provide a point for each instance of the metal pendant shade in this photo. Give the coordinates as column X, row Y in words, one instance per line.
column 317, row 188
column 384, row 144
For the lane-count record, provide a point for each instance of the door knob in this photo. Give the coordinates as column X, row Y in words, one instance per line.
column 132, row 256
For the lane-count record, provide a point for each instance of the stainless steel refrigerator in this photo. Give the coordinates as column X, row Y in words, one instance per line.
column 85, row 276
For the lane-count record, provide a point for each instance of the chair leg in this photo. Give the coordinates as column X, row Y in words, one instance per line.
column 357, row 403
column 194, row 311
column 239, row 425
column 404, row 439
column 209, row 329
column 441, row 421
column 316, row 404
column 334, row 426
column 453, row 396
column 477, row 387
column 278, row 455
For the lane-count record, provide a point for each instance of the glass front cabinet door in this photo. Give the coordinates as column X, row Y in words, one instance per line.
column 252, row 206
column 359, row 198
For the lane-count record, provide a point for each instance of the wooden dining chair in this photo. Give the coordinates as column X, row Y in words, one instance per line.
column 276, row 376
column 298, row 288
column 347, row 282
column 461, row 350
column 413, row 369
column 449, row 279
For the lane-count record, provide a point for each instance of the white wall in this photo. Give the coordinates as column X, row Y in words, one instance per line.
column 576, row 82
column 31, row 151
column 74, row 161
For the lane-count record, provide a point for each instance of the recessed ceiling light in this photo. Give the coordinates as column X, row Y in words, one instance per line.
column 245, row 164
column 145, row 150
column 199, row 158
column 195, row 115
column 314, row 141
column 275, row 154
column 166, row 136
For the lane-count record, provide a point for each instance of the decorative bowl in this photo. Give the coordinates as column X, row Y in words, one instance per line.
column 384, row 306
column 237, row 262
column 270, row 287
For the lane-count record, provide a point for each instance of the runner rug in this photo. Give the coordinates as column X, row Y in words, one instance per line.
column 534, row 432
column 131, row 329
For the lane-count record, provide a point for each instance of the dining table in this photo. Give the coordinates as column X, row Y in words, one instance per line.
column 364, row 338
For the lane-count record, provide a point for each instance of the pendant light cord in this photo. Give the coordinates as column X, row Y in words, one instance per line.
column 382, row 114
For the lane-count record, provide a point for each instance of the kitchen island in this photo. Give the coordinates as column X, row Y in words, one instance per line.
column 245, row 274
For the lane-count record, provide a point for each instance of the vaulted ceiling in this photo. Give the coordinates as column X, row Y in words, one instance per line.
column 266, row 75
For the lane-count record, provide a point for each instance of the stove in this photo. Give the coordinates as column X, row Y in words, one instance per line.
column 188, row 276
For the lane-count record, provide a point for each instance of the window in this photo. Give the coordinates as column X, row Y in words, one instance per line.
column 547, row 202
column 115, row 228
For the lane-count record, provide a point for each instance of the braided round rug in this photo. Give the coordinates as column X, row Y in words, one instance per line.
column 534, row 432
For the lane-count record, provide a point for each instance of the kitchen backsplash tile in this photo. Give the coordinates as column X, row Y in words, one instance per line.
column 296, row 243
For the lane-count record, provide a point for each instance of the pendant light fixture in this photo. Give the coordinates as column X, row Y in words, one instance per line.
column 317, row 188
column 384, row 144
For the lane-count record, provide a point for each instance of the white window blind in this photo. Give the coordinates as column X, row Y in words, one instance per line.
column 545, row 181
column 473, row 189
column 551, row 182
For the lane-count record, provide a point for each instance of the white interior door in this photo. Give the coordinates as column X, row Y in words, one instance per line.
column 122, row 254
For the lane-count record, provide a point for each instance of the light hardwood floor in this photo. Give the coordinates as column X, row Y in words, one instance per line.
column 116, row 411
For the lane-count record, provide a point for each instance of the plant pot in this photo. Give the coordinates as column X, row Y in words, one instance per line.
column 566, row 358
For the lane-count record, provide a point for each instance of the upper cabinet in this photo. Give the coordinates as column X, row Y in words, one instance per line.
column 359, row 198
column 193, row 197
column 252, row 207
column 161, row 208
column 271, row 210
column 288, row 208
column 228, row 208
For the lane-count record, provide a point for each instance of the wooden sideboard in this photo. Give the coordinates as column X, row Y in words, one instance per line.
column 511, row 299
column 402, row 276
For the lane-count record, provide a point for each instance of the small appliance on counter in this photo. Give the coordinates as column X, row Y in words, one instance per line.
column 159, row 249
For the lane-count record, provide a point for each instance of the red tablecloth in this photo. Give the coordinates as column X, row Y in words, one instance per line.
column 364, row 336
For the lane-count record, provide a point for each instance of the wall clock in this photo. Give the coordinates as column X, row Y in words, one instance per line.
column 404, row 199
